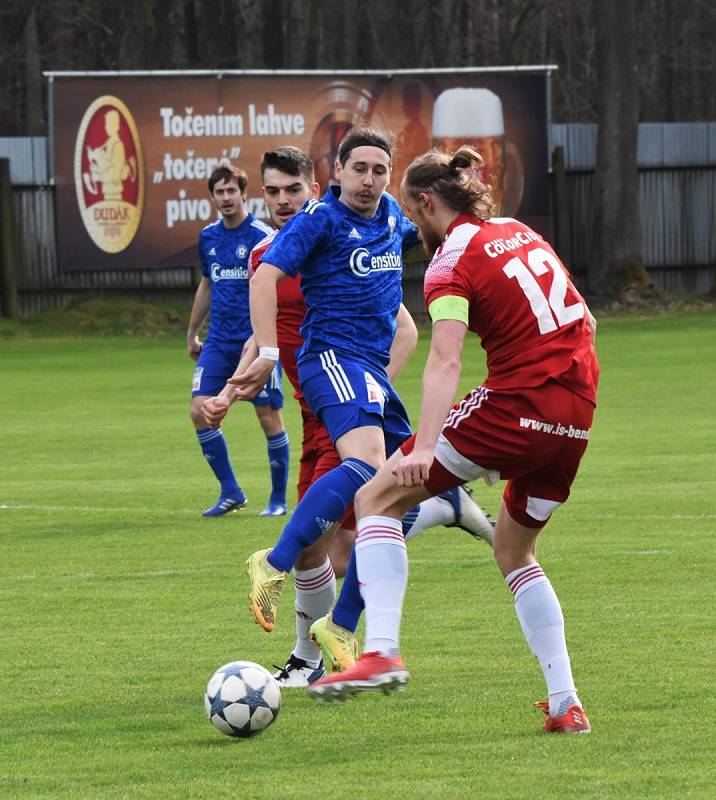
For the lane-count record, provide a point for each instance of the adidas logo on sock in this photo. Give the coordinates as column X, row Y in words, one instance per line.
column 323, row 524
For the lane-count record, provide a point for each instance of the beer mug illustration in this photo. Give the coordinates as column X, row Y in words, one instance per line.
column 345, row 106
column 474, row 116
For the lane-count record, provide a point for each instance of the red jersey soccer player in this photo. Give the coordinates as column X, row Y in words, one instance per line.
column 528, row 423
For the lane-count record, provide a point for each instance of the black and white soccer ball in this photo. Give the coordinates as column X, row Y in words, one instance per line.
column 242, row 698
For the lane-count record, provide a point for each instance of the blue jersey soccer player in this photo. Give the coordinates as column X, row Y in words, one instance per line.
column 223, row 292
column 348, row 249
column 288, row 183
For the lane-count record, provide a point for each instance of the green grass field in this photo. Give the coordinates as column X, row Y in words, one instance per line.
column 119, row 600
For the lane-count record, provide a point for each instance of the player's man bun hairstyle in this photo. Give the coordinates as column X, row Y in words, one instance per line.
column 290, row 160
column 364, row 137
column 455, row 179
column 227, row 172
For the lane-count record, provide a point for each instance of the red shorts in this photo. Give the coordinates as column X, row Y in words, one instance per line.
column 318, row 456
column 534, row 439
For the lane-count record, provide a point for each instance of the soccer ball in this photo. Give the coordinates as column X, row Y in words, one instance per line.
column 242, row 698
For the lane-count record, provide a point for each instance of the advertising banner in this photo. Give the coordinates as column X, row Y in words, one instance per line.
column 132, row 153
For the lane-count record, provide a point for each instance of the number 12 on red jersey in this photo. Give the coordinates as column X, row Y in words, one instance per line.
column 546, row 309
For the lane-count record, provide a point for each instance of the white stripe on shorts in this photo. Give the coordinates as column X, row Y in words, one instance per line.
column 456, row 463
column 275, row 379
column 466, row 406
column 339, row 379
column 541, row 509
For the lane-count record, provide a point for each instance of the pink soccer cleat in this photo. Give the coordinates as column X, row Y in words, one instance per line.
column 371, row 673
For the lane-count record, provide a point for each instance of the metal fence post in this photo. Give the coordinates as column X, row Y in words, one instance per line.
column 563, row 234
column 8, row 250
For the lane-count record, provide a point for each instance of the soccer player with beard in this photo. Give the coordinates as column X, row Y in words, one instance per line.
column 529, row 422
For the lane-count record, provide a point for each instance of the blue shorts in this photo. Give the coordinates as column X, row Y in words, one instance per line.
column 217, row 362
column 346, row 394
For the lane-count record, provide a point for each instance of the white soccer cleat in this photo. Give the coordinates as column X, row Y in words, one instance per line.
column 298, row 674
column 468, row 514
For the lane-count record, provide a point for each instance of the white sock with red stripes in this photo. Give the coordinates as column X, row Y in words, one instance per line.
column 540, row 616
column 382, row 563
column 315, row 596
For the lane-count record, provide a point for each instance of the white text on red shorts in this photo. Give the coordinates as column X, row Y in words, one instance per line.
column 555, row 428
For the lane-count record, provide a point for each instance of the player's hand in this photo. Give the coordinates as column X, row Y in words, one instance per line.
column 413, row 469
column 592, row 325
column 214, row 410
column 250, row 382
column 193, row 346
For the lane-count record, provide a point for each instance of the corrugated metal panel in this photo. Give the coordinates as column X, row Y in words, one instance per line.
column 662, row 144
column 678, row 217
column 696, row 281
column 41, row 286
column 711, row 136
column 580, row 210
column 685, row 144
column 579, row 141
column 35, row 238
column 28, row 159
column 678, row 211
column 650, row 146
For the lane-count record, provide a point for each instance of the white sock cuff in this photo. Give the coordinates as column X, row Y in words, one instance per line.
column 523, row 578
column 314, row 580
column 379, row 530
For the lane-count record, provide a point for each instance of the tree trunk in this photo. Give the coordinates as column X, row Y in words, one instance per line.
column 616, row 261
column 34, row 105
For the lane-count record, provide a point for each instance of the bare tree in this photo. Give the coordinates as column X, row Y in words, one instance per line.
column 616, row 259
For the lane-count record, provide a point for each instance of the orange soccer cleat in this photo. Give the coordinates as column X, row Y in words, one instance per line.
column 574, row 720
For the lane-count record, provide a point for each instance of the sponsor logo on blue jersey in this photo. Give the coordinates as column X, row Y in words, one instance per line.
column 362, row 263
column 219, row 273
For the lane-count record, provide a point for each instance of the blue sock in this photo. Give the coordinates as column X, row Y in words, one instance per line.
column 349, row 605
column 409, row 520
column 322, row 505
column 213, row 446
column 278, row 463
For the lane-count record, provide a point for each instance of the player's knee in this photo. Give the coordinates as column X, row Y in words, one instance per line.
column 363, row 503
column 270, row 420
column 371, row 500
column 196, row 416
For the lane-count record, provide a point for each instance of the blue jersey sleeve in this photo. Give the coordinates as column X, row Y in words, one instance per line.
column 203, row 257
column 303, row 235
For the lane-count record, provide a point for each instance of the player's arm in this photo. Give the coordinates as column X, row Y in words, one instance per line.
column 199, row 310
column 404, row 342
column 440, row 383
column 216, row 408
column 592, row 322
column 263, row 303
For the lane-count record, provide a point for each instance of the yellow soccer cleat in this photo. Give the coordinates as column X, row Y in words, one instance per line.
column 266, row 587
column 338, row 645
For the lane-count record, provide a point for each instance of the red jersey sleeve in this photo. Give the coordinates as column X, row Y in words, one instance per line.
column 290, row 313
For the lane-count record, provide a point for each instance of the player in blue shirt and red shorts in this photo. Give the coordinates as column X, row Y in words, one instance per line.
column 223, row 293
